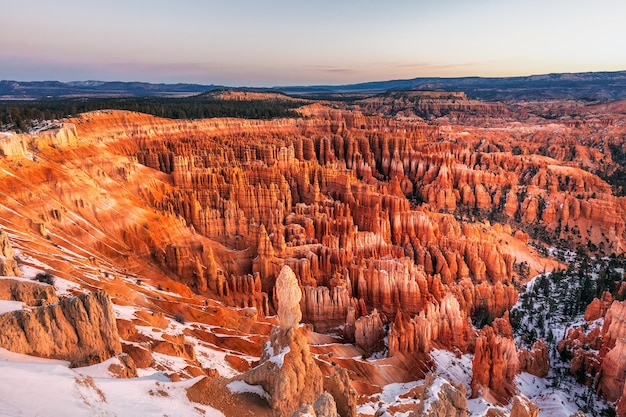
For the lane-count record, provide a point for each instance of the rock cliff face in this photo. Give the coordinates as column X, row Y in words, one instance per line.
column 494, row 366
column 598, row 307
column 369, row 332
column 385, row 222
column 367, row 219
column 523, row 407
column 287, row 371
column 600, row 353
column 614, row 340
column 440, row 324
column 339, row 386
column 440, row 398
column 583, row 347
column 429, row 104
column 535, row 361
column 80, row 330
column 31, row 293
column 8, row 264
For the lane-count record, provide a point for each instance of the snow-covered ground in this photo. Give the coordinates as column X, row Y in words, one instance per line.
column 552, row 402
column 7, row 306
column 33, row 386
column 550, row 305
column 392, row 395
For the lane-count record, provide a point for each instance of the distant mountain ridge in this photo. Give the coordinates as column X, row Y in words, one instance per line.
column 602, row 86
column 43, row 89
column 592, row 86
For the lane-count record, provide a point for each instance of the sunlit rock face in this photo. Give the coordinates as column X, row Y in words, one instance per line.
column 80, row 329
column 614, row 363
column 8, row 264
column 395, row 229
column 494, row 366
column 287, row 371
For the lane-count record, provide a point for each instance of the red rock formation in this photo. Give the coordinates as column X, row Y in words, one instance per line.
column 598, row 307
column 621, row 405
column 369, row 212
column 535, row 361
column 369, row 332
column 494, row 366
column 31, row 293
column 8, row 265
column 81, row 330
column 339, row 386
column 614, row 324
column 429, row 104
column 287, row 371
column 582, row 348
column 442, row 398
column 174, row 345
column 523, row 407
column 440, row 324
column 614, row 371
column 614, row 364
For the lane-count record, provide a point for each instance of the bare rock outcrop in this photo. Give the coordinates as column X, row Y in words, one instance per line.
column 583, row 348
column 124, row 368
column 621, row 404
column 339, row 386
column 494, row 366
column 369, row 212
column 523, row 407
column 287, row 371
column 613, row 375
column 31, row 293
column 535, row 361
column 325, row 406
column 440, row 398
column 598, row 307
column 289, row 295
column 81, row 330
column 8, row 264
column 441, row 322
column 369, row 332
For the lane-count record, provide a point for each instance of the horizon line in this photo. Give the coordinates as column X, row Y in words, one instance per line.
column 318, row 85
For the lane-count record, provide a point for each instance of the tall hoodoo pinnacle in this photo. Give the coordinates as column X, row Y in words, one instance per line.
column 289, row 296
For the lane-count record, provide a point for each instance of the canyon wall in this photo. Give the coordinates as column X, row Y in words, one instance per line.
column 81, row 330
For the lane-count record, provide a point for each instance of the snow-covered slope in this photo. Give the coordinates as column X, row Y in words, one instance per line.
column 42, row 387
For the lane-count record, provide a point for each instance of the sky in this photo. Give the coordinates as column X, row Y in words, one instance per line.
column 263, row 43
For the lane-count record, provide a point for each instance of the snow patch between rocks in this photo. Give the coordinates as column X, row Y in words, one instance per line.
column 239, row 387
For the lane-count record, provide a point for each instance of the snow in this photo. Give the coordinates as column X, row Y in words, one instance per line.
column 64, row 288
column 547, row 309
column 366, row 409
column 124, row 312
column 214, row 359
column 279, row 358
column 207, row 355
column 389, row 397
column 392, row 392
column 239, row 387
column 433, row 392
column 28, row 270
column 552, row 402
column 23, row 279
column 453, row 368
column 478, row 407
column 7, row 306
column 100, row 370
column 41, row 387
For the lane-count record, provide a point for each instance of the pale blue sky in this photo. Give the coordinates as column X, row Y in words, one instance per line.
column 277, row 42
